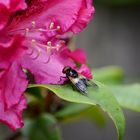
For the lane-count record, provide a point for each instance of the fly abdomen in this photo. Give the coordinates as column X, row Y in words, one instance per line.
column 81, row 86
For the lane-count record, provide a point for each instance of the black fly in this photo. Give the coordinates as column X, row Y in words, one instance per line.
column 80, row 82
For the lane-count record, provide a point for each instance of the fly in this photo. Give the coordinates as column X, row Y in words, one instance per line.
column 80, row 82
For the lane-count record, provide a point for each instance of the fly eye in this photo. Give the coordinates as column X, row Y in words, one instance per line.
column 66, row 69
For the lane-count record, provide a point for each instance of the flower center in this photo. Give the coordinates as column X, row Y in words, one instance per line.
column 40, row 38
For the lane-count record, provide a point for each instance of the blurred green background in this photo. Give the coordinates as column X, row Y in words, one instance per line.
column 112, row 38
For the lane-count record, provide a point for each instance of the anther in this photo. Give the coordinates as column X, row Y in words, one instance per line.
column 49, row 43
column 51, row 25
column 58, row 28
column 57, row 47
column 33, row 24
column 26, row 31
column 33, row 42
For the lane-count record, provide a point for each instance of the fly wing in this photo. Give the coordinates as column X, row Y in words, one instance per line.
column 88, row 82
column 91, row 83
column 79, row 84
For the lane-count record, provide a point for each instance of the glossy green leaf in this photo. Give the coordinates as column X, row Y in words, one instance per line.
column 74, row 112
column 71, row 109
column 101, row 96
column 36, row 92
column 128, row 96
column 43, row 127
column 109, row 75
column 71, row 112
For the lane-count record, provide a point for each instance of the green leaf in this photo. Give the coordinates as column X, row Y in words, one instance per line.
column 109, row 75
column 128, row 96
column 36, row 92
column 74, row 111
column 71, row 109
column 43, row 127
column 102, row 97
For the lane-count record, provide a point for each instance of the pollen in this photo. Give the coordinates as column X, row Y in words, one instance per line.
column 49, row 43
column 26, row 31
column 33, row 42
column 49, row 50
column 33, row 24
column 57, row 47
column 51, row 25
column 58, row 28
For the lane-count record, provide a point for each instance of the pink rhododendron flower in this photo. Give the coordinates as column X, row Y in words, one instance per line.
column 12, row 82
column 30, row 39
column 78, row 55
column 85, row 71
column 14, row 5
column 7, row 7
column 12, row 102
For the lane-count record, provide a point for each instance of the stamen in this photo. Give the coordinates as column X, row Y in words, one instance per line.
column 30, row 52
column 49, row 50
column 47, row 60
column 51, row 25
column 14, row 31
column 49, row 43
column 41, row 30
column 58, row 28
column 38, row 54
column 26, row 31
column 57, row 47
column 33, row 42
column 33, row 24
column 45, row 30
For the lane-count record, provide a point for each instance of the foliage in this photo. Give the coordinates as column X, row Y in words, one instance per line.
column 101, row 97
column 67, row 105
column 109, row 96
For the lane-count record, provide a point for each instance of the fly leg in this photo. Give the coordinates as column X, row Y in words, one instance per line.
column 61, row 78
column 73, row 87
column 85, row 80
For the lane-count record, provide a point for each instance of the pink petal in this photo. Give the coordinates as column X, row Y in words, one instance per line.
column 13, row 116
column 78, row 55
column 47, row 72
column 66, row 15
column 12, row 85
column 4, row 16
column 14, row 5
column 84, row 16
column 85, row 71
column 77, row 14
column 11, row 49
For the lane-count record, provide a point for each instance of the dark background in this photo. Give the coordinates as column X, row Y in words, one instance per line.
column 111, row 38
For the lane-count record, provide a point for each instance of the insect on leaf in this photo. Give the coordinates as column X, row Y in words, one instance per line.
column 102, row 97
